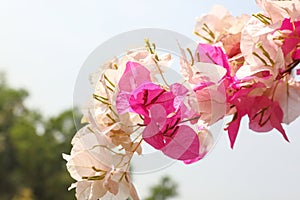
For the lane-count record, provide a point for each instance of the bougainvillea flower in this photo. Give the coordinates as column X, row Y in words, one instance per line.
column 242, row 106
column 142, row 93
column 254, row 36
column 96, row 169
column 277, row 10
column 217, row 24
column 265, row 115
column 242, row 103
column 264, row 58
column 163, row 111
column 149, row 94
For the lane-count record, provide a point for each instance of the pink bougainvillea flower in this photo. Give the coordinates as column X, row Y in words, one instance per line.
column 142, row 93
column 163, row 114
column 291, row 34
column 242, row 106
column 163, row 111
column 168, row 135
column 265, row 115
column 242, row 102
column 148, row 94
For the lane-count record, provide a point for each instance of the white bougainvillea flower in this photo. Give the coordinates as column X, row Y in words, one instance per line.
column 97, row 168
column 217, row 22
column 264, row 59
column 220, row 27
column 277, row 10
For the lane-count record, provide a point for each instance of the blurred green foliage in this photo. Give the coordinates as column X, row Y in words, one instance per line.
column 31, row 165
column 164, row 190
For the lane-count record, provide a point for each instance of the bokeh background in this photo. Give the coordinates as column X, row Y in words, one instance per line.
column 43, row 45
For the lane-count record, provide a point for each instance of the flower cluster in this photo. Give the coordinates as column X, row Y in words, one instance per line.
column 260, row 55
column 242, row 66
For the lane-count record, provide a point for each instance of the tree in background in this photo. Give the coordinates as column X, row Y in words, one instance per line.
column 11, row 110
column 166, row 189
column 31, row 165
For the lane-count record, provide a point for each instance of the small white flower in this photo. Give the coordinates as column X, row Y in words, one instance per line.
column 99, row 170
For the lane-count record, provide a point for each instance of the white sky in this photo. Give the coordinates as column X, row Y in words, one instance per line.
column 44, row 43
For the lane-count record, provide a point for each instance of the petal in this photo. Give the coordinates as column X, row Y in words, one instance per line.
column 184, row 145
column 90, row 190
column 288, row 97
column 111, row 185
column 233, row 128
column 135, row 74
column 207, row 72
column 265, row 115
column 122, row 102
column 179, row 91
column 144, row 96
column 276, row 120
column 206, row 142
column 81, row 164
column 212, row 104
column 296, row 54
column 151, row 132
column 212, row 54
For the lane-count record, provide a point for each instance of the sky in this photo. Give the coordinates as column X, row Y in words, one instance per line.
column 43, row 45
